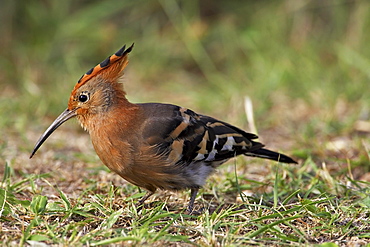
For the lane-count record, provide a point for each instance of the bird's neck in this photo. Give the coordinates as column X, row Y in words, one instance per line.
column 116, row 119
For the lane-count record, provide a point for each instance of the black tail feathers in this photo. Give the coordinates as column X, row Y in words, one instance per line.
column 268, row 154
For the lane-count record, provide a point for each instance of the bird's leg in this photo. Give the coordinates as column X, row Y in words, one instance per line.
column 193, row 194
column 145, row 197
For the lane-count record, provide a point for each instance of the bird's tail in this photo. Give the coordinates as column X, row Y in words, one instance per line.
column 268, row 154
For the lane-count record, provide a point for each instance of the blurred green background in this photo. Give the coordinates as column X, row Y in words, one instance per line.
column 305, row 65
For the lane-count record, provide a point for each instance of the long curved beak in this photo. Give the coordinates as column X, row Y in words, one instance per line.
column 64, row 116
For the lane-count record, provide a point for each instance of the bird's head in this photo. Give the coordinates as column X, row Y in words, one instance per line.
column 95, row 92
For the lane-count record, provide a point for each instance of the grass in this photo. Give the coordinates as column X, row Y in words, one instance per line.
column 304, row 65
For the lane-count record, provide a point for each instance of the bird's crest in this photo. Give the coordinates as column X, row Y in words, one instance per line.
column 110, row 69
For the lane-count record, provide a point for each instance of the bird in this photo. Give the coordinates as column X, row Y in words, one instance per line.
column 152, row 145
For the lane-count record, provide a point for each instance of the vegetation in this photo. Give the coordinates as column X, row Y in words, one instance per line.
column 303, row 64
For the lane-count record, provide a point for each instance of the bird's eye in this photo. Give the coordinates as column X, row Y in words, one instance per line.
column 83, row 97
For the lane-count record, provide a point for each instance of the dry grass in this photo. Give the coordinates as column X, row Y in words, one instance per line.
column 85, row 203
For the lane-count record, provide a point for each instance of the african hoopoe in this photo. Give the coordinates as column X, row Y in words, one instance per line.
column 152, row 145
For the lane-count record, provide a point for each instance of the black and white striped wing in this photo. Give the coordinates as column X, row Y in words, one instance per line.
column 186, row 137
